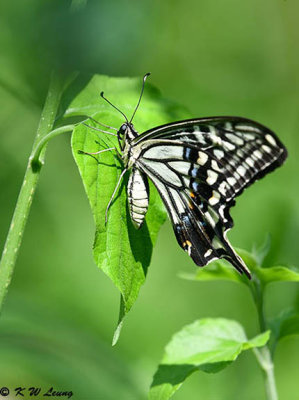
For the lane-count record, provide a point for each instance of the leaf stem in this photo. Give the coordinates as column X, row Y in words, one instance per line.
column 19, row 219
column 35, row 156
column 263, row 355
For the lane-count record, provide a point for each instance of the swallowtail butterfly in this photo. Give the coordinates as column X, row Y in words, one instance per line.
column 198, row 166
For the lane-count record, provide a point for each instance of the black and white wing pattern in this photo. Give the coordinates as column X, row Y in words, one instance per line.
column 199, row 166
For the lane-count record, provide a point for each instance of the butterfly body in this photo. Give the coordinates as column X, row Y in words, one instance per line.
column 138, row 196
column 137, row 189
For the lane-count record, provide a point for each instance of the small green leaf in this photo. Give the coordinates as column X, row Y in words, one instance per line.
column 272, row 274
column 278, row 274
column 219, row 270
column 208, row 345
column 120, row 250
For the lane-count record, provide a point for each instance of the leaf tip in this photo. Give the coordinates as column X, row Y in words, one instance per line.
column 117, row 333
column 122, row 314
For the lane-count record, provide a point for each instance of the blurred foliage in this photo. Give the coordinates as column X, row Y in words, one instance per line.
column 210, row 345
column 207, row 345
column 233, row 58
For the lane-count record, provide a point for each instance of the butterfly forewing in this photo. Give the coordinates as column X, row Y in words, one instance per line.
column 199, row 167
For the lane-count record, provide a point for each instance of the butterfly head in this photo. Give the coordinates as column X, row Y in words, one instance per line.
column 122, row 130
column 126, row 133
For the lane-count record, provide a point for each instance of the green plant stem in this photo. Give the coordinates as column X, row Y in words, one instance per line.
column 264, row 359
column 19, row 219
column 263, row 355
column 259, row 301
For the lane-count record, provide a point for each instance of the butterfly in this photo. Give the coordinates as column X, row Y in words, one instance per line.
column 198, row 166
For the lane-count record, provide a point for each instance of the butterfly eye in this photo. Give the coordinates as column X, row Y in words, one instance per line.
column 123, row 129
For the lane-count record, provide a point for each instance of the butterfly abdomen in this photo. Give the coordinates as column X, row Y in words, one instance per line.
column 138, row 197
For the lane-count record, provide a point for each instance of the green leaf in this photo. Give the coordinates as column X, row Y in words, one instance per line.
column 208, row 345
column 268, row 275
column 120, row 250
column 278, row 274
column 219, row 270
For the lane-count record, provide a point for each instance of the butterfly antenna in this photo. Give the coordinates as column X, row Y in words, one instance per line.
column 102, row 95
column 144, row 79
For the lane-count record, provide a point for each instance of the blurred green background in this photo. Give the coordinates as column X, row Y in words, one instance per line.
column 214, row 57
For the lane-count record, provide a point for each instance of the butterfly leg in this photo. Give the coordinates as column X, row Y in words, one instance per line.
column 110, row 148
column 97, row 152
column 101, row 123
column 113, row 194
column 99, row 130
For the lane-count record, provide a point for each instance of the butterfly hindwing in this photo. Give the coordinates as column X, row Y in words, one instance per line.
column 198, row 234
